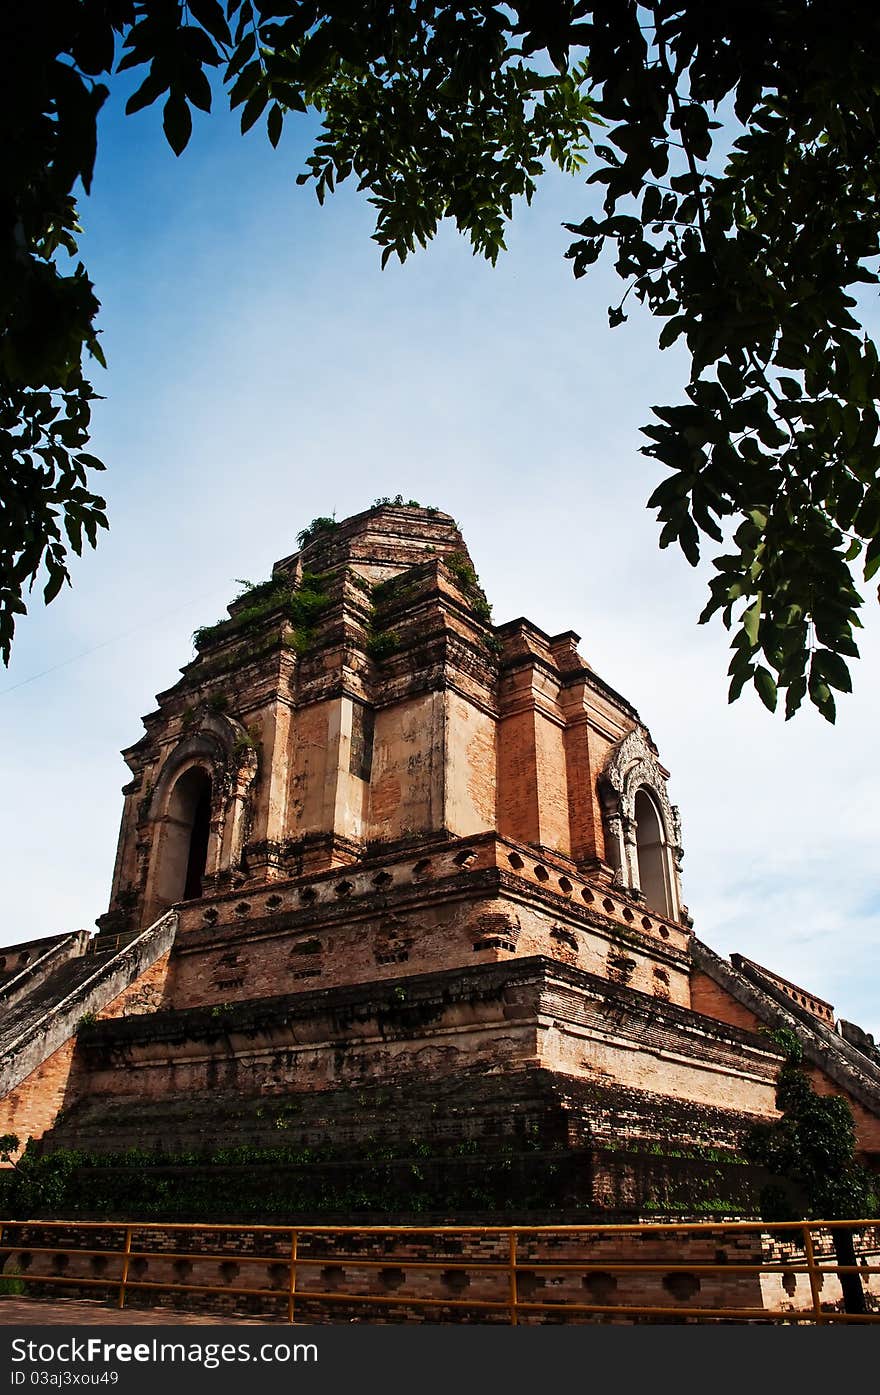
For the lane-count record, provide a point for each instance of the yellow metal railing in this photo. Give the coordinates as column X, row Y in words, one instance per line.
column 290, row 1262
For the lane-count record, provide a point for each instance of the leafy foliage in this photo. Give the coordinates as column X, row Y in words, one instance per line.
column 739, row 165
column 398, row 501
column 812, row 1149
column 381, row 644
column 245, row 1181
column 748, row 252
column 34, row 1181
column 9, row 1146
column 49, row 103
column 469, row 582
column 301, row 605
column 315, row 529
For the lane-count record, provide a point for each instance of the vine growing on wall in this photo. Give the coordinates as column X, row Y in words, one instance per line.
column 811, row 1151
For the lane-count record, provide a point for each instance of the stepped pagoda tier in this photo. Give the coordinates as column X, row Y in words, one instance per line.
column 392, row 874
column 357, row 745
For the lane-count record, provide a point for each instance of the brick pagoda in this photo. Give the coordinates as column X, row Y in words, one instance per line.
column 391, row 879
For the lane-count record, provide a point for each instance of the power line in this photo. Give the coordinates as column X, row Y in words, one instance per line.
column 114, row 639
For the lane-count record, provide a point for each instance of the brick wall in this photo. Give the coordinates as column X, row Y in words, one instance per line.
column 32, row 1107
column 471, row 760
column 503, row 1018
column 469, row 1269
column 145, row 995
column 867, row 1125
column 420, row 911
column 517, row 788
column 710, row 998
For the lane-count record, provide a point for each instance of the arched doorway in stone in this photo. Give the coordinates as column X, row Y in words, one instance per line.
column 186, row 834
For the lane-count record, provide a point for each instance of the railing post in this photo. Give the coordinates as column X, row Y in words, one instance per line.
column 813, row 1273
column 292, row 1288
column 126, row 1256
column 514, row 1318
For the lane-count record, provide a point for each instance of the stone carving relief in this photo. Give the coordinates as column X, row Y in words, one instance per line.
column 222, row 747
column 633, row 766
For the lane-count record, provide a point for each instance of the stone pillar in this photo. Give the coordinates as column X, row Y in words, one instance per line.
column 631, row 854
column 617, row 850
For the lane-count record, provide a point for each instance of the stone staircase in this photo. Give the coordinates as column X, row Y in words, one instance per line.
column 25, row 965
column 42, row 1006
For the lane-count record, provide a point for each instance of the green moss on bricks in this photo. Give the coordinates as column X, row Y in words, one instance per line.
column 395, row 589
column 322, row 524
column 253, row 1182
column 469, row 582
column 302, row 606
column 381, row 644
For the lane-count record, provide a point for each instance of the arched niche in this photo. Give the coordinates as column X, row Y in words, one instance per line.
column 183, row 856
column 197, row 817
column 652, row 853
column 642, row 828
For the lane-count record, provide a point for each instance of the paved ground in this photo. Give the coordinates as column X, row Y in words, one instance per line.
column 86, row 1312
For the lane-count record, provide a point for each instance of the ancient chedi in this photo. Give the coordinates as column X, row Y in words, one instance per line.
column 392, row 879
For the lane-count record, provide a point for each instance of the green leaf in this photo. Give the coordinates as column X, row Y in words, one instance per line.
column 177, row 123
column 751, row 621
column 766, row 686
column 791, row 387
column 672, row 330
column 274, row 123
column 872, row 558
column 742, row 674
column 198, row 89
column 730, row 378
column 253, row 109
column 831, row 667
column 650, row 203
column 210, row 15
column 244, row 51
column 794, row 696
column 57, row 577
column 152, row 87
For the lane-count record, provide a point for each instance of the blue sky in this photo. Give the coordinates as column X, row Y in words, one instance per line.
column 263, row 370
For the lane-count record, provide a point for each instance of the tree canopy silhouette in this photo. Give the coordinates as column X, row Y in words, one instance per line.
column 735, row 149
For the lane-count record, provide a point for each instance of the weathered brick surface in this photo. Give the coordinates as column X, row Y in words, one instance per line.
column 145, row 995
column 33, row 1106
column 422, row 864
column 428, row 1277
column 710, row 998
column 445, row 1027
column 470, row 767
column 37, row 1024
column 518, row 808
column 448, row 905
column 867, row 1123
column 832, row 1067
column 23, row 965
column 406, row 795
